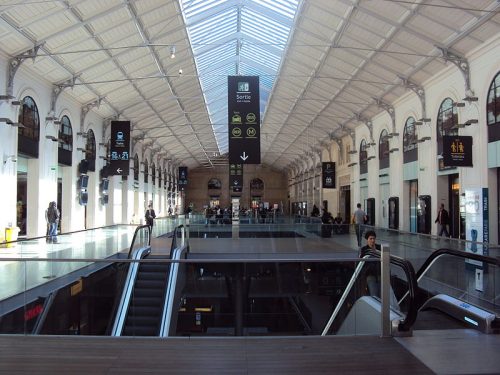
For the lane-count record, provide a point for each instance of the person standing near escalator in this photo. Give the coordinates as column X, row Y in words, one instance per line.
column 52, row 216
column 150, row 215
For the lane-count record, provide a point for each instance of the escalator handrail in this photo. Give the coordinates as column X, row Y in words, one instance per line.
column 173, row 246
column 139, row 228
column 170, row 289
column 407, row 323
column 411, row 316
column 459, row 253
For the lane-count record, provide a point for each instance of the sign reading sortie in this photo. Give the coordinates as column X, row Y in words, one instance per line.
column 243, row 101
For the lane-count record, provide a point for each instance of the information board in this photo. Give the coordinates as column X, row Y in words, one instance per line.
column 119, row 148
column 244, row 119
column 183, row 178
column 328, row 175
column 236, row 177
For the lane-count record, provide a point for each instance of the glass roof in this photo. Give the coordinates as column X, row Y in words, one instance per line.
column 236, row 37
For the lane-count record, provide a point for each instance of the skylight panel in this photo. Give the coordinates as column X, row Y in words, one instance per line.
column 286, row 8
column 216, row 28
column 191, row 8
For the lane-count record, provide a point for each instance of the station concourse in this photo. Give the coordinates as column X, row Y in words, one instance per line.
column 231, row 121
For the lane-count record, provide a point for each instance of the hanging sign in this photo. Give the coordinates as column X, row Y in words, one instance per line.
column 183, row 172
column 236, row 177
column 457, row 151
column 328, row 175
column 244, row 119
column 119, row 148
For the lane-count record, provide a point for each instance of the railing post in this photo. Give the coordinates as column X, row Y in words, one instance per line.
column 385, row 283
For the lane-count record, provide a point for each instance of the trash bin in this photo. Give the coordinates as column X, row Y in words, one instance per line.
column 11, row 235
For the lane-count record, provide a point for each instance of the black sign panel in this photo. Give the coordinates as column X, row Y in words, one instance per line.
column 120, row 148
column 183, row 178
column 244, row 119
column 457, row 151
column 236, row 176
column 328, row 175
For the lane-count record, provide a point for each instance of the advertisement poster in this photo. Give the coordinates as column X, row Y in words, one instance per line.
column 476, row 224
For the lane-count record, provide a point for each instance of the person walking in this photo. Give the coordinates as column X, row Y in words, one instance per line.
column 150, row 215
column 52, row 216
column 442, row 219
column 359, row 218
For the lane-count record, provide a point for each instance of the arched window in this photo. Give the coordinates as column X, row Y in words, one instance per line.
column 90, row 148
column 29, row 135
column 383, row 150
column 214, row 183
column 410, row 145
column 65, row 148
column 256, row 184
column 66, row 134
column 136, row 168
column 363, row 158
column 446, row 122
column 493, row 110
column 153, row 174
column 146, row 171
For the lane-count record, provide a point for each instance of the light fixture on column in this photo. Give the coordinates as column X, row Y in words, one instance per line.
column 52, row 138
column 470, row 99
column 393, row 150
column 172, row 52
column 80, row 149
column 81, row 134
column 12, row 158
column 371, row 158
column 459, row 104
column 470, row 122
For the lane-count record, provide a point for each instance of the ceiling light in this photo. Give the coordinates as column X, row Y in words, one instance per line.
column 180, row 71
column 172, row 52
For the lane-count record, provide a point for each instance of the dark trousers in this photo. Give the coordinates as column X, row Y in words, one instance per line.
column 358, row 233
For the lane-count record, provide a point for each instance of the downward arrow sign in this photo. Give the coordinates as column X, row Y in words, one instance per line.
column 244, row 156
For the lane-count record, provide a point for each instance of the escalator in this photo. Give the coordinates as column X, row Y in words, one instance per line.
column 146, row 304
column 438, row 309
column 148, row 295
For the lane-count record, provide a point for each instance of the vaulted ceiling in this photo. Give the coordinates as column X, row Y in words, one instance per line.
column 324, row 65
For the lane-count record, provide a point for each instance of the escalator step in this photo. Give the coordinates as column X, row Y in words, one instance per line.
column 154, row 267
column 151, row 276
column 142, row 321
column 144, row 311
column 151, row 284
column 146, row 301
column 147, row 292
column 140, row 331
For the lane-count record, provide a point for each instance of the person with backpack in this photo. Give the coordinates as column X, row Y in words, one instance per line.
column 52, row 215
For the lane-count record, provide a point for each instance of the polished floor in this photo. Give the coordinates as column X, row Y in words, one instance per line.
column 456, row 351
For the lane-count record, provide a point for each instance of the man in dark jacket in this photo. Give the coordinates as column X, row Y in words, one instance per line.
column 53, row 216
column 442, row 219
column 150, row 216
